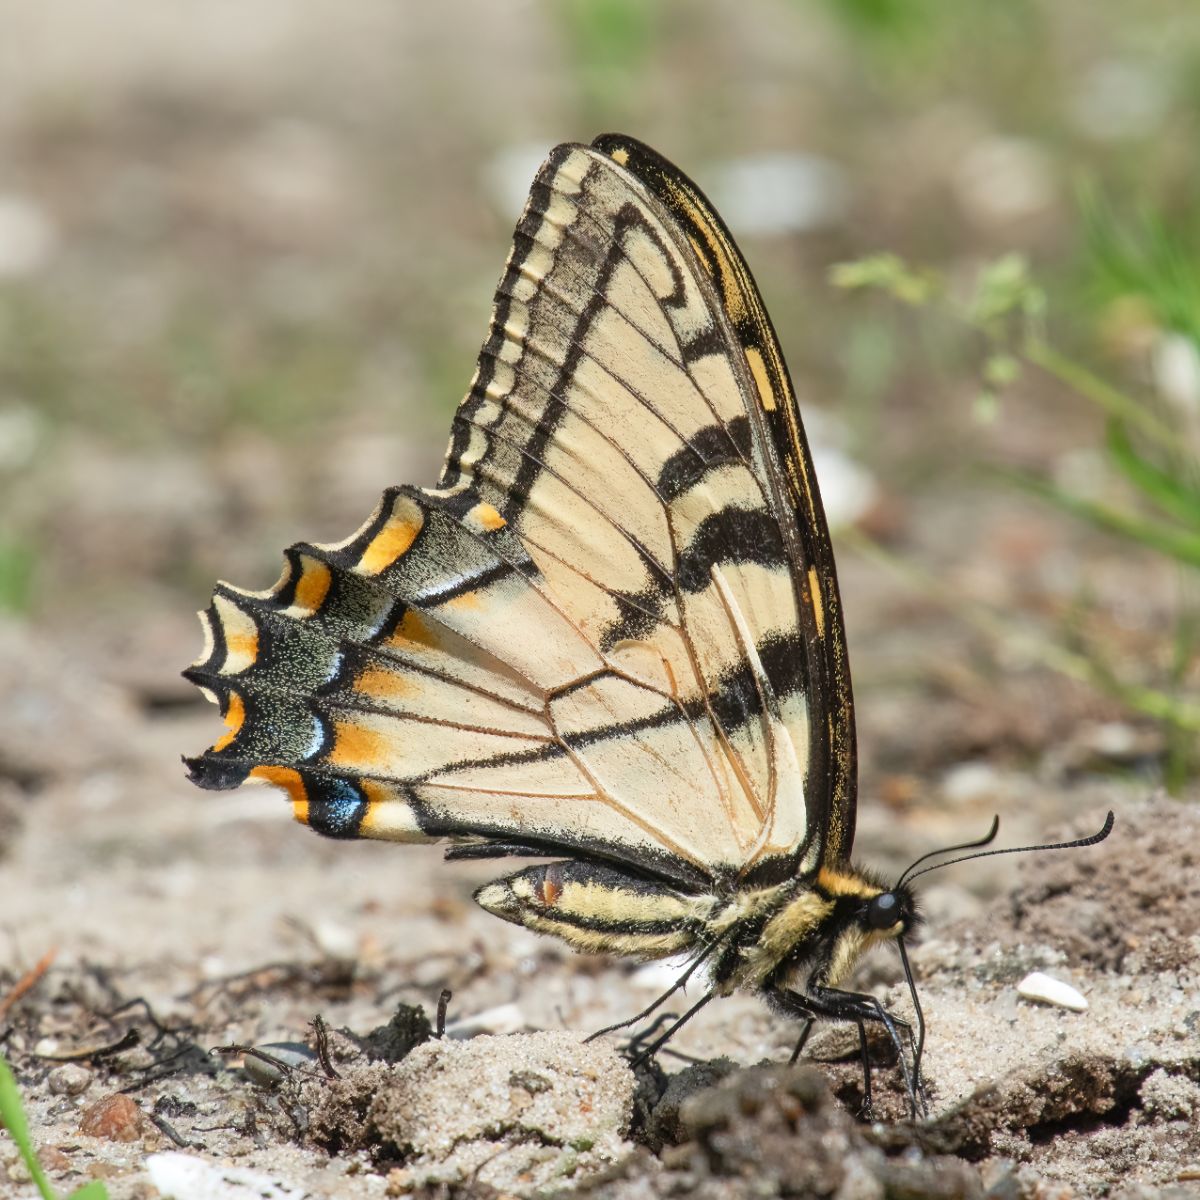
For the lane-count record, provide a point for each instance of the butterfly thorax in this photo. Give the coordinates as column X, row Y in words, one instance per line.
column 808, row 931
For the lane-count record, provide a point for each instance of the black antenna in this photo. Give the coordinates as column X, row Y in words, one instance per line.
column 1077, row 844
column 983, row 841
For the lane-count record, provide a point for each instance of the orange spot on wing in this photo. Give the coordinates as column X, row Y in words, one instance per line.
column 488, row 517
column 235, row 717
column 376, row 792
column 242, row 646
column 289, row 779
column 240, row 632
column 382, row 684
column 550, row 887
column 312, row 586
column 413, row 633
column 467, row 601
column 356, row 747
column 393, row 540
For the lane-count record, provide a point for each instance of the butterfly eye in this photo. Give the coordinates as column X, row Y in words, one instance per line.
column 884, row 911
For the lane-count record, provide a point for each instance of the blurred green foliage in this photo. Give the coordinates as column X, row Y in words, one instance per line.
column 1143, row 258
column 1147, row 445
column 18, row 562
column 612, row 43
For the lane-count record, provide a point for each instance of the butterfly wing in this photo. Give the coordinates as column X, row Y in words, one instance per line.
column 832, row 782
column 598, row 634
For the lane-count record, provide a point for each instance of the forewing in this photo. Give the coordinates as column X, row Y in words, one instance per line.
column 616, row 420
column 832, row 777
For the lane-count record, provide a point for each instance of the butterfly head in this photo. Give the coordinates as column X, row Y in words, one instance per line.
column 891, row 913
column 865, row 912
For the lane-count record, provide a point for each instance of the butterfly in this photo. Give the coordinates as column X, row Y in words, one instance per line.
column 611, row 635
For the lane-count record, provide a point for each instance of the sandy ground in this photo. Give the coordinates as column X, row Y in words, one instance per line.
column 198, row 924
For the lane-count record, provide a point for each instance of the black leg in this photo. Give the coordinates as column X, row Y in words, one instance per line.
column 679, row 983
column 860, row 1008
column 867, row 1105
column 660, row 1042
column 806, row 1029
column 634, row 1046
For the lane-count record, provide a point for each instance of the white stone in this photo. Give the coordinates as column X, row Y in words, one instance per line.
column 1047, row 990
column 504, row 1018
column 1176, row 367
column 187, row 1177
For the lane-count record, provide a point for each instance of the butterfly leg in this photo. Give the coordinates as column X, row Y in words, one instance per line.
column 675, row 987
column 895, row 1026
column 867, row 1104
column 860, row 1008
column 659, row 1042
column 805, row 1030
column 796, row 1005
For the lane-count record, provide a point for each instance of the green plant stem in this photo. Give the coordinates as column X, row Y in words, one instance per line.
column 1179, row 544
column 1100, row 393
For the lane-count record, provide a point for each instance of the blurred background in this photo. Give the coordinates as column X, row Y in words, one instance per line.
column 247, row 252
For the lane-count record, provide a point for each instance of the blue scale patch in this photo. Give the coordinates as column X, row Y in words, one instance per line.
column 337, row 808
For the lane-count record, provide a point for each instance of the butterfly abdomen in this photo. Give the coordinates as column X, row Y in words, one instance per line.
column 597, row 909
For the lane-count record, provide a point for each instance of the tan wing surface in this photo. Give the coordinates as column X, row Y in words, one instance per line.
column 588, row 637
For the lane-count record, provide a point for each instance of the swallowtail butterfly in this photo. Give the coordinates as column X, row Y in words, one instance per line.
column 611, row 635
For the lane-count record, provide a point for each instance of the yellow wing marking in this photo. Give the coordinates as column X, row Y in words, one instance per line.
column 235, row 716
column 389, row 816
column 817, row 598
column 311, row 588
column 762, row 380
column 241, row 636
column 394, row 539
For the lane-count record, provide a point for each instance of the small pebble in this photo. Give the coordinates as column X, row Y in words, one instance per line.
column 54, row 1160
column 69, row 1080
column 1045, row 988
column 335, row 941
column 116, row 1118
